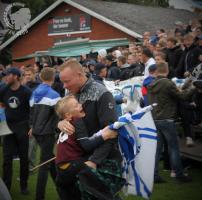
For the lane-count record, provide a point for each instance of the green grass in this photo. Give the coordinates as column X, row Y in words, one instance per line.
column 167, row 191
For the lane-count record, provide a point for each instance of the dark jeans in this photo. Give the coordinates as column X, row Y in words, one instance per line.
column 166, row 161
column 67, row 181
column 188, row 119
column 167, row 129
column 18, row 141
column 46, row 144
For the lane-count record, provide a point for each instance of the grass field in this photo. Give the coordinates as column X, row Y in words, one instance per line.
column 167, row 191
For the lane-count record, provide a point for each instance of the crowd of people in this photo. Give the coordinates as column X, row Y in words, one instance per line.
column 68, row 106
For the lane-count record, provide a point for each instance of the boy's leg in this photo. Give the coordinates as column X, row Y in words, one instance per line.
column 67, row 181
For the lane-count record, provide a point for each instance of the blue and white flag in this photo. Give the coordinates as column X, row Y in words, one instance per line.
column 4, row 129
column 137, row 143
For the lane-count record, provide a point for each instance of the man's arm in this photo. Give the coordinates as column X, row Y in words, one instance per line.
column 107, row 115
column 3, row 89
column 180, row 95
column 90, row 143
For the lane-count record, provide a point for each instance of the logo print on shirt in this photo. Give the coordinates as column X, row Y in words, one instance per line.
column 13, row 102
column 111, row 105
column 62, row 137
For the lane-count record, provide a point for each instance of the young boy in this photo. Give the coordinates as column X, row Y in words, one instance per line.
column 71, row 149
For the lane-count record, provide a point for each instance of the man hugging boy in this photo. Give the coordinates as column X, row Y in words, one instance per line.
column 72, row 150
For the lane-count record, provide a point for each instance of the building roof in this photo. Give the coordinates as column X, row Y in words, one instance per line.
column 129, row 18
column 139, row 18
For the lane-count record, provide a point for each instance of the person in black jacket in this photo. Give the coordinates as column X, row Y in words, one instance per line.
column 99, row 106
column 15, row 98
column 100, row 73
column 113, row 72
column 43, row 120
column 125, row 68
column 173, row 55
column 29, row 79
column 190, row 57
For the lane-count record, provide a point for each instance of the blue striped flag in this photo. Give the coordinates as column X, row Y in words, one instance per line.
column 137, row 143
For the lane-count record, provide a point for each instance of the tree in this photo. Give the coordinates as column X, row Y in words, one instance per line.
column 36, row 7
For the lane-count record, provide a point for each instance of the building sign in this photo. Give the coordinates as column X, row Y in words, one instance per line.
column 69, row 24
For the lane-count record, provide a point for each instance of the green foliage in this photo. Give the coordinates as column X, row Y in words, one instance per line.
column 36, row 7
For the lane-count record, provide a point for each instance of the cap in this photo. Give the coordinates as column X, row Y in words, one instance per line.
column 153, row 40
column 110, row 57
column 152, row 68
column 102, row 52
column 12, row 70
column 91, row 62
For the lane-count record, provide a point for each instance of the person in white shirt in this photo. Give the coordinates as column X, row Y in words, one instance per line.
column 148, row 60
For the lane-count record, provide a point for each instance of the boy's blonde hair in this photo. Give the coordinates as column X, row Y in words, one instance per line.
column 62, row 107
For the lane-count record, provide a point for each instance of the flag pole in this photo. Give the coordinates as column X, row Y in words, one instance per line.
column 42, row 164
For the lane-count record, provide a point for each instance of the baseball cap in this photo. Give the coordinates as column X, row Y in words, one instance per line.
column 12, row 70
column 110, row 57
column 91, row 62
column 102, row 53
column 152, row 68
column 153, row 40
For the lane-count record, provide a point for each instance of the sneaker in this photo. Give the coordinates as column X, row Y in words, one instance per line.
column 184, row 179
column 172, row 174
column 16, row 158
column 159, row 180
column 189, row 142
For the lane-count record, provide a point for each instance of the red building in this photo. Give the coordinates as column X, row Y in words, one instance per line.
column 93, row 19
column 62, row 21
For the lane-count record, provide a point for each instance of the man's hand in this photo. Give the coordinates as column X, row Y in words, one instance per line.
column 187, row 74
column 107, row 133
column 30, row 132
column 193, row 104
column 66, row 126
column 91, row 164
